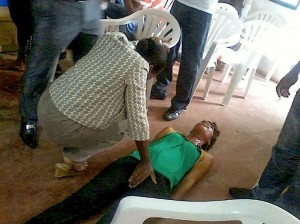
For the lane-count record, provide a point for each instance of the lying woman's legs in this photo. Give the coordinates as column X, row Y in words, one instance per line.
column 146, row 189
column 109, row 185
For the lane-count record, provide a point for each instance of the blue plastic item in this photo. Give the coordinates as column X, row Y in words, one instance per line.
column 3, row 3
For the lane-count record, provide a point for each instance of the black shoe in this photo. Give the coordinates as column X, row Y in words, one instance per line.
column 158, row 95
column 171, row 114
column 28, row 133
column 241, row 193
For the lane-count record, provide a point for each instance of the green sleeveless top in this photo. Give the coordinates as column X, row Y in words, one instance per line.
column 172, row 156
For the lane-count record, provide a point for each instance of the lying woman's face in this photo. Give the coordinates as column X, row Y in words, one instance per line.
column 204, row 131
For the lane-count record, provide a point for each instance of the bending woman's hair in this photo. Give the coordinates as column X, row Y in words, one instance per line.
column 154, row 52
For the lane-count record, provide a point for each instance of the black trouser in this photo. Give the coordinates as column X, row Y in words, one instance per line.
column 21, row 15
column 106, row 188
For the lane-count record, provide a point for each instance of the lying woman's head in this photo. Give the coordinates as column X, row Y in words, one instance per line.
column 207, row 133
column 155, row 53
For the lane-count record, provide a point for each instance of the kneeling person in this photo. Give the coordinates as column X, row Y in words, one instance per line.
column 89, row 108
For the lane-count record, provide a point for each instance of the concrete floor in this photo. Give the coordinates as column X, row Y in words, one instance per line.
column 249, row 129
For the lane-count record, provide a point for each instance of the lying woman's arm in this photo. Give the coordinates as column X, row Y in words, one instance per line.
column 201, row 167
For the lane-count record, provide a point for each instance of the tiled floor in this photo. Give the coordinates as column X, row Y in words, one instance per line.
column 249, row 129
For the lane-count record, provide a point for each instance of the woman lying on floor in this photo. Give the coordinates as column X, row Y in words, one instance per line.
column 179, row 163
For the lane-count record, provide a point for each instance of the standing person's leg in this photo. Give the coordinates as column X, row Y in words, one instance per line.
column 89, row 31
column 159, row 89
column 195, row 26
column 82, row 44
column 20, row 12
column 54, row 30
column 110, row 184
column 283, row 168
column 290, row 199
column 39, row 63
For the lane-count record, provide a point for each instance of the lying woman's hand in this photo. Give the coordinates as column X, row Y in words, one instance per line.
column 141, row 172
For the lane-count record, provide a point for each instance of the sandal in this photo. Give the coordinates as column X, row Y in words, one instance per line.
column 64, row 170
column 77, row 166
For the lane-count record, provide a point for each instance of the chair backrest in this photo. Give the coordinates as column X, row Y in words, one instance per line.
column 257, row 32
column 228, row 8
column 225, row 31
column 135, row 210
column 225, row 28
column 256, row 37
column 268, row 16
column 151, row 23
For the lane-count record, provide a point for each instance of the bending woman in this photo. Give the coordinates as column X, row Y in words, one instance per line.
column 91, row 106
column 179, row 163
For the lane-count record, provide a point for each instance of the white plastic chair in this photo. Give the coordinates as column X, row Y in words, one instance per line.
column 228, row 8
column 256, row 36
column 151, row 23
column 280, row 22
column 135, row 210
column 267, row 16
column 224, row 32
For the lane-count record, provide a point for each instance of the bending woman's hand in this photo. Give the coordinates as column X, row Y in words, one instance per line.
column 142, row 171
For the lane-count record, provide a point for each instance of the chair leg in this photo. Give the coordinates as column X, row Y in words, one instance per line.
column 271, row 72
column 226, row 71
column 236, row 78
column 251, row 77
column 211, row 71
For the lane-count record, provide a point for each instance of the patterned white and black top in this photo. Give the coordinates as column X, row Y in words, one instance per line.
column 106, row 86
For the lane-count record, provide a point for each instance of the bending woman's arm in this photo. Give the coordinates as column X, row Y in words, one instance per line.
column 201, row 167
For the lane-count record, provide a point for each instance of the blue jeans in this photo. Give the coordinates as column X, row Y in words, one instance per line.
column 194, row 30
column 106, row 188
column 283, row 169
column 57, row 24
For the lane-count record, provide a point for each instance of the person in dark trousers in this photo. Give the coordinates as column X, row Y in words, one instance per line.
column 20, row 12
column 56, row 24
column 194, row 18
column 280, row 182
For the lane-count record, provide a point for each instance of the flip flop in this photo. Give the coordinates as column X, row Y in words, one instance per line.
column 64, row 170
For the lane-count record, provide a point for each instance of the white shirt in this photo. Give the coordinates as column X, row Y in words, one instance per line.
column 208, row 6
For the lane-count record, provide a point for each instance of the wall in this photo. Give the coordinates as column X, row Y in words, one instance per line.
column 288, row 47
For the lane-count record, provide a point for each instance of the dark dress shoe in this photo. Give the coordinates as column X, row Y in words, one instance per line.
column 28, row 134
column 171, row 114
column 158, row 95
column 241, row 193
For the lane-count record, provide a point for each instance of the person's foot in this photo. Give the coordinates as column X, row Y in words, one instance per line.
column 64, row 170
column 171, row 114
column 158, row 95
column 241, row 193
column 28, row 134
column 76, row 166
